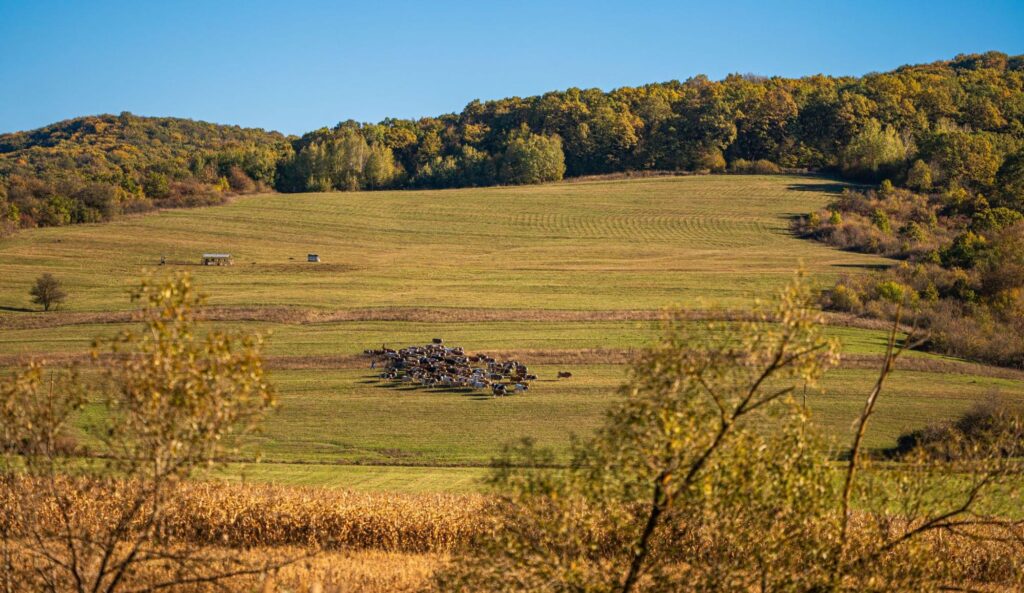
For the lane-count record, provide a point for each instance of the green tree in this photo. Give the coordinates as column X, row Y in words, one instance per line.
column 881, row 221
column 919, row 176
column 532, row 158
column 1010, row 182
column 966, row 158
column 874, row 152
column 964, row 251
column 380, row 170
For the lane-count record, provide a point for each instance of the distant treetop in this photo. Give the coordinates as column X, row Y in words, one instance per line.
column 951, row 123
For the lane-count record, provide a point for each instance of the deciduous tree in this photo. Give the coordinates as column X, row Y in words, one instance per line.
column 47, row 292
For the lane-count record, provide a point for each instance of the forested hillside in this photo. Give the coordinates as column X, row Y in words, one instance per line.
column 92, row 168
column 955, row 123
column 960, row 118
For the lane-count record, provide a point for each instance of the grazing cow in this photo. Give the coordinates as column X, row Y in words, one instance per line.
column 564, row 374
column 436, row 365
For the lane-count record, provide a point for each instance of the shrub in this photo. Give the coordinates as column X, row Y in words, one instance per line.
column 964, row 252
column 892, row 291
column 919, row 176
column 912, row 231
column 881, row 221
column 239, row 181
column 682, row 490
column 174, row 402
column 843, row 298
column 758, row 167
column 983, row 427
column 710, row 160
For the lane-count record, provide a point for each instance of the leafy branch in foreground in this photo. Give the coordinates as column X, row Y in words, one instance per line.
column 708, row 476
column 174, row 403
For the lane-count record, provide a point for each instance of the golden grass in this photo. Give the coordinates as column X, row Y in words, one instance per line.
column 597, row 245
column 304, row 316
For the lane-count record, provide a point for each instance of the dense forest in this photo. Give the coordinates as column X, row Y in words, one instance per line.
column 954, row 123
column 93, row 168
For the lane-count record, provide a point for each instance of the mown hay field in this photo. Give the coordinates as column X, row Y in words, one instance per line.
column 603, row 245
column 566, row 276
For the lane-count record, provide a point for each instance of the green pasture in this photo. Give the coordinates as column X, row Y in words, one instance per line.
column 523, row 254
column 344, row 338
column 601, row 245
column 331, row 417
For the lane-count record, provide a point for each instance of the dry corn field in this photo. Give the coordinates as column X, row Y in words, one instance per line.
column 246, row 516
column 336, row 541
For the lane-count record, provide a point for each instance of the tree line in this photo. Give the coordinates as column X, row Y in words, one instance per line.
column 951, row 123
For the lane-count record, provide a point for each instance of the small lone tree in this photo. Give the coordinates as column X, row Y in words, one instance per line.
column 47, row 291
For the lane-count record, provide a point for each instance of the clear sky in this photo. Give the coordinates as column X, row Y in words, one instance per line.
column 296, row 65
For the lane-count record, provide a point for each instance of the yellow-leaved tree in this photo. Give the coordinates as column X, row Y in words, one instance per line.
column 77, row 519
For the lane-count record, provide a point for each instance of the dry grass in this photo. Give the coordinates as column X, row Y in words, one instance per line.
column 304, row 316
column 596, row 245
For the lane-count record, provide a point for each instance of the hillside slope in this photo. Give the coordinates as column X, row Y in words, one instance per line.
column 595, row 246
column 91, row 168
column 567, row 276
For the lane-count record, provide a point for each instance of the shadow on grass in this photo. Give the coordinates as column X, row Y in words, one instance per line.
column 469, row 392
column 873, row 267
column 17, row 309
column 827, row 188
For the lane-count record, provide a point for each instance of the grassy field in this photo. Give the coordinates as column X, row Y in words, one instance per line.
column 546, row 271
column 347, row 416
column 637, row 244
column 325, row 339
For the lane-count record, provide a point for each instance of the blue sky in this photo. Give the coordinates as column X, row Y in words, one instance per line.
column 295, row 65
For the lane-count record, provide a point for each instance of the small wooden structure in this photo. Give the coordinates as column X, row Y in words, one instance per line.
column 216, row 259
column 312, row 258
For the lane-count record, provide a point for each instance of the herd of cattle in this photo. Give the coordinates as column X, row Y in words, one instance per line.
column 437, row 365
